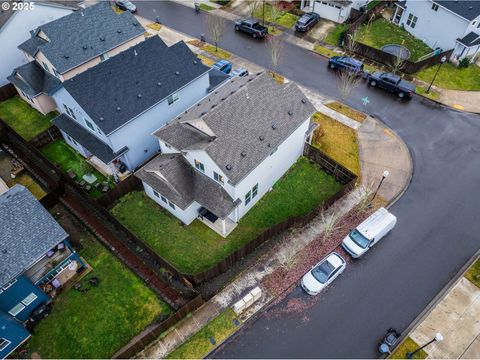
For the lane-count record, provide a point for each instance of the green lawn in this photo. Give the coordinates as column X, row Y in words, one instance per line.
column 24, row 119
column 382, row 32
column 285, row 19
column 473, row 274
column 408, row 345
column 333, row 36
column 325, row 51
column 199, row 345
column 432, row 94
column 206, row 7
column 451, row 77
column 59, row 152
column 26, row 180
column 196, row 247
column 97, row 323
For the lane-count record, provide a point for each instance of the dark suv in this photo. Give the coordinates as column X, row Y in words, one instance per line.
column 345, row 63
column 307, row 21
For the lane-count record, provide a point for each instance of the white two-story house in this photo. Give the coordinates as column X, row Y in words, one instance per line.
column 335, row 10
column 110, row 111
column 223, row 154
column 59, row 50
column 452, row 24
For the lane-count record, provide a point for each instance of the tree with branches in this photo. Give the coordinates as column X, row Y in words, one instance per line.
column 330, row 224
column 275, row 47
column 252, row 6
column 275, row 11
column 216, row 28
column 347, row 81
column 398, row 62
column 351, row 42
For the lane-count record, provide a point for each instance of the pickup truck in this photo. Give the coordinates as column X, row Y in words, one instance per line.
column 252, row 27
column 393, row 83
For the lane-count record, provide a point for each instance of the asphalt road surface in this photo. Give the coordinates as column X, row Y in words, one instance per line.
column 438, row 218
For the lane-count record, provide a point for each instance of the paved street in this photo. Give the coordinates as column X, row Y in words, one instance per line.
column 437, row 218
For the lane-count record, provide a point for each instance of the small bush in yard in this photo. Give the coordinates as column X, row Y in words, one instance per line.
column 464, row 63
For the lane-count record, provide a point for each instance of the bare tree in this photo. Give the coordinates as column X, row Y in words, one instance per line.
column 252, row 6
column 346, row 83
column 369, row 22
column 398, row 62
column 330, row 223
column 274, row 45
column 363, row 195
column 275, row 10
column 216, row 28
column 351, row 42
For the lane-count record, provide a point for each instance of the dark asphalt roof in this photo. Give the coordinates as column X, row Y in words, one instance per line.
column 84, row 34
column 33, row 80
column 31, row 45
column 85, row 138
column 27, row 232
column 467, row 9
column 216, row 77
column 248, row 117
column 471, row 39
column 4, row 16
column 182, row 184
column 131, row 82
column 402, row 4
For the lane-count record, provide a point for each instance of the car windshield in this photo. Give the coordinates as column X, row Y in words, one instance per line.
column 359, row 239
column 303, row 20
column 322, row 271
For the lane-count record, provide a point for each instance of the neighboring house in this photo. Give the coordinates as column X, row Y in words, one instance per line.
column 15, row 27
column 334, row 10
column 68, row 46
column 34, row 255
column 109, row 112
column 442, row 24
column 223, row 154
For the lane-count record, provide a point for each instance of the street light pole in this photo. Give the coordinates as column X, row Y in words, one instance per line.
column 438, row 337
column 442, row 61
column 384, row 176
column 263, row 13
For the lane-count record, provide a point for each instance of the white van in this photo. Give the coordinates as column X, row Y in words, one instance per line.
column 369, row 232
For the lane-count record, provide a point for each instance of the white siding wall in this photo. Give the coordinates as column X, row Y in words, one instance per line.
column 435, row 28
column 186, row 216
column 16, row 31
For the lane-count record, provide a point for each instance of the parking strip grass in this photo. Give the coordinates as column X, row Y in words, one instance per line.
column 285, row 19
column 408, row 345
column 206, row 7
column 473, row 273
column 452, row 77
column 338, row 141
column 24, row 119
column 96, row 323
column 199, row 345
column 319, row 49
column 195, row 248
column 347, row 111
column 218, row 52
column 432, row 94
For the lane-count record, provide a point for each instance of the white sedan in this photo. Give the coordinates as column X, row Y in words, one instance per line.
column 323, row 274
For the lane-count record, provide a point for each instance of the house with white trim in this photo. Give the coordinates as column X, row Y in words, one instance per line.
column 335, row 10
column 445, row 24
column 222, row 155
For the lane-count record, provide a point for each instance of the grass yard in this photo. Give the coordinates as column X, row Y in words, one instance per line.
column 432, row 94
column 24, row 119
column 408, row 345
column 473, row 274
column 451, row 77
column 272, row 30
column 325, row 51
column 199, row 345
column 347, row 111
column 338, row 141
column 382, row 32
column 97, row 323
column 333, row 36
column 59, row 152
column 206, row 7
column 285, row 19
column 194, row 248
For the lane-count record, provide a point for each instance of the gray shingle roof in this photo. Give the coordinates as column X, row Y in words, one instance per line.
column 467, row 9
column 85, row 34
column 85, row 138
column 251, row 115
column 185, row 185
column 131, row 82
column 27, row 232
column 471, row 39
column 33, row 80
column 32, row 45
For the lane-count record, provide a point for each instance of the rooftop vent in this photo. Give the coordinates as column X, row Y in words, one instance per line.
column 261, row 137
column 85, row 47
column 216, row 92
column 135, row 52
column 119, row 31
column 213, row 106
column 199, row 104
column 66, row 56
column 101, row 118
column 228, row 167
column 177, row 72
column 222, row 99
column 244, row 153
column 159, row 84
column 203, row 113
column 269, row 145
column 102, row 38
column 139, row 96
column 304, row 101
column 195, row 62
column 134, row 23
column 290, row 112
column 274, row 126
column 232, row 92
column 118, row 108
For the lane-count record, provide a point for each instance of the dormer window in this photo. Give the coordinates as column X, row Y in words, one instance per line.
column 218, row 177
column 199, row 166
column 435, row 7
column 90, row 125
column 172, row 98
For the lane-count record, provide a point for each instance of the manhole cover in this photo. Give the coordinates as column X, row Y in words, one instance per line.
column 397, row 50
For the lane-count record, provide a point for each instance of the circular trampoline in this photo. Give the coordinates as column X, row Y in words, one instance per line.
column 397, row 50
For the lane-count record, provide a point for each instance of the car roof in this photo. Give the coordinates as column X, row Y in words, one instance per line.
column 351, row 60
column 335, row 259
column 392, row 76
column 375, row 223
column 221, row 62
column 251, row 21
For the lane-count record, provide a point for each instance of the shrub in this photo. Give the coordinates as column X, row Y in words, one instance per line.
column 464, row 63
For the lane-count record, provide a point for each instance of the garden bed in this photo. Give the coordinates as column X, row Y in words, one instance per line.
column 195, row 248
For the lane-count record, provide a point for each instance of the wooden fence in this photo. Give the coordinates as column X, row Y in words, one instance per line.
column 130, row 184
column 151, row 333
column 7, row 91
column 46, row 137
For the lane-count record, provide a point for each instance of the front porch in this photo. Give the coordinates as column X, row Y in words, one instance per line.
column 115, row 169
column 223, row 227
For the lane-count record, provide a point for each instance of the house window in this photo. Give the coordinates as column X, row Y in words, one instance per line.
column 164, row 199
column 57, row 74
column 4, row 343
column 45, row 66
column 218, row 177
column 24, row 94
column 199, row 166
column 71, row 139
column 171, row 205
column 156, row 193
column 412, row 20
column 69, row 111
column 255, row 191
column 29, row 299
column 89, row 124
column 434, row 7
column 167, row 146
column 104, row 57
column 172, row 98
column 248, row 197
column 99, row 131
column 16, row 309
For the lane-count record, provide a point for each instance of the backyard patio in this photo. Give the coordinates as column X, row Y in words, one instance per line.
column 194, row 248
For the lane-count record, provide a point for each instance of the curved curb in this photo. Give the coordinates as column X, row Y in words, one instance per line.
column 436, row 102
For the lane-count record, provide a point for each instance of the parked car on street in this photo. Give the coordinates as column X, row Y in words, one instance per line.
column 307, row 21
column 323, row 273
column 126, row 5
column 369, row 232
column 223, row 65
column 345, row 63
column 239, row 72
column 393, row 83
column 252, row 27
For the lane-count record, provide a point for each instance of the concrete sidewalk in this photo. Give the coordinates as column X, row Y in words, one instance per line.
column 380, row 149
